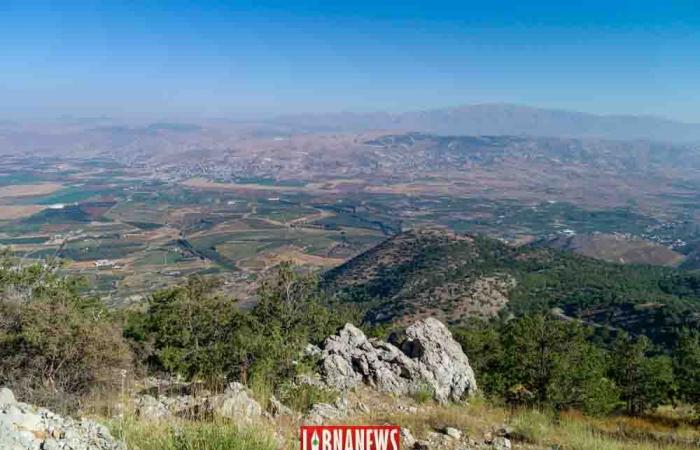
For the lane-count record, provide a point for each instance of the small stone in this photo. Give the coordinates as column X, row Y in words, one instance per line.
column 454, row 433
column 407, row 439
column 501, row 443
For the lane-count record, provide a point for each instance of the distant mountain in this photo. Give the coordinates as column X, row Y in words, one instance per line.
column 455, row 277
column 503, row 119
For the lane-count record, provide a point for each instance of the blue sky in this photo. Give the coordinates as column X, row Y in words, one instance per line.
column 236, row 58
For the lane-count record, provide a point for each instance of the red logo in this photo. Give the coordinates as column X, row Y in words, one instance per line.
column 349, row 437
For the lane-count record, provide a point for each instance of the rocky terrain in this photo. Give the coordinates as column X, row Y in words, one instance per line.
column 362, row 371
column 28, row 427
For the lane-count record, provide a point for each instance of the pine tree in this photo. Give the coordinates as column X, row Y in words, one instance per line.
column 645, row 381
column 686, row 367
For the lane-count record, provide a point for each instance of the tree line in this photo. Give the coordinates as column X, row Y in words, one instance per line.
column 59, row 347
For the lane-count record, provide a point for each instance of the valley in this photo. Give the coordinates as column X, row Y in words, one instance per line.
column 131, row 221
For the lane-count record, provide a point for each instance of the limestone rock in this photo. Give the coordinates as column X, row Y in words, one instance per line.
column 501, row 443
column 407, row 439
column 432, row 345
column 236, row 404
column 454, row 433
column 150, row 408
column 6, row 396
column 26, row 427
column 323, row 412
column 429, row 357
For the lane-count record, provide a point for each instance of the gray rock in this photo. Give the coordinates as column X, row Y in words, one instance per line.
column 6, row 396
column 429, row 357
column 26, row 427
column 150, row 408
column 438, row 440
column 188, row 406
column 407, row 439
column 236, row 403
column 323, row 412
column 501, row 443
column 311, row 350
column 454, row 433
column 448, row 371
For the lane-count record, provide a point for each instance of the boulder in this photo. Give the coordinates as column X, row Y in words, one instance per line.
column 150, row 408
column 236, row 404
column 428, row 358
column 448, row 371
column 26, row 427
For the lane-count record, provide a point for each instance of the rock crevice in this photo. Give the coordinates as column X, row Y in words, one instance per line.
column 428, row 359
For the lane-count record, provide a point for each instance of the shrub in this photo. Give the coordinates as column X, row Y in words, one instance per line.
column 56, row 347
column 301, row 396
column 424, row 394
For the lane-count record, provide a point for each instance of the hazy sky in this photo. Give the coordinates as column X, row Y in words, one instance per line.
column 209, row 58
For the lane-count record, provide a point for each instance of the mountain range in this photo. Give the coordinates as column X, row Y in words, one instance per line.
column 503, row 119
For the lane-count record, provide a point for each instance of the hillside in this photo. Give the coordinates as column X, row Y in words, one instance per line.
column 617, row 248
column 455, row 277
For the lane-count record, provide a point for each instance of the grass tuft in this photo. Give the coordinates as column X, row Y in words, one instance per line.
column 187, row 435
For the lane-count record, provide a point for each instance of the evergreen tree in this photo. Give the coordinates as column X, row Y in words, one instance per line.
column 645, row 381
column 554, row 361
column 686, row 367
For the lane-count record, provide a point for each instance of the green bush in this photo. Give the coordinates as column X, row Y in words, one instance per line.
column 190, row 331
column 424, row 394
column 56, row 347
column 301, row 396
column 537, row 360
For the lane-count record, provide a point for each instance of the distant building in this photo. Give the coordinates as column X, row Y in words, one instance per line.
column 104, row 263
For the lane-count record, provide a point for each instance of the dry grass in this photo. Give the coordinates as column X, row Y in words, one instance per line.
column 188, row 435
column 576, row 432
column 29, row 190
column 668, row 430
column 11, row 212
column 202, row 183
column 297, row 257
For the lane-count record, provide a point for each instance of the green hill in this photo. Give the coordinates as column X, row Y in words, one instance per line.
column 456, row 277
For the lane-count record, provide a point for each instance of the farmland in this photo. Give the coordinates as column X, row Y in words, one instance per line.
column 134, row 221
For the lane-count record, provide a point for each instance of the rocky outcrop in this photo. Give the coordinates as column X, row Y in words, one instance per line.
column 26, row 427
column 428, row 359
column 234, row 403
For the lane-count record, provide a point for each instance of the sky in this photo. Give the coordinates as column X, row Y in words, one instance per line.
column 200, row 59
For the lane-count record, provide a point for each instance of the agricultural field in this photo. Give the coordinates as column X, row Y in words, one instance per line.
column 134, row 224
